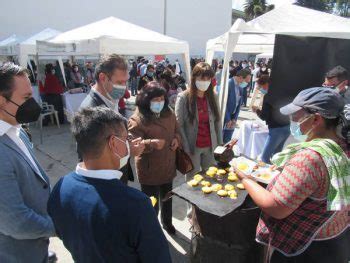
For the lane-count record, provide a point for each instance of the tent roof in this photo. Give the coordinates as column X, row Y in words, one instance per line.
column 42, row 35
column 258, row 34
column 111, row 27
column 9, row 41
column 297, row 20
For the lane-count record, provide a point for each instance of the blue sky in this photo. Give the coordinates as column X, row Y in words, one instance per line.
column 238, row 4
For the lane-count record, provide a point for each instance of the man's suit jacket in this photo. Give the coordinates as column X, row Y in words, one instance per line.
column 232, row 105
column 25, row 226
column 93, row 100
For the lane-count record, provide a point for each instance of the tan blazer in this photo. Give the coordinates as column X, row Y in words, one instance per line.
column 155, row 167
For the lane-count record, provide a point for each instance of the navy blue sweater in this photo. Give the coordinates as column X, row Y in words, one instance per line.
column 106, row 221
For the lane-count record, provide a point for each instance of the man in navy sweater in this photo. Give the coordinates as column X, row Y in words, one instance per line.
column 98, row 218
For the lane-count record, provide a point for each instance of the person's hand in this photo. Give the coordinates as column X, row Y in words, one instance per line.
column 158, row 143
column 137, row 146
column 231, row 124
column 174, row 144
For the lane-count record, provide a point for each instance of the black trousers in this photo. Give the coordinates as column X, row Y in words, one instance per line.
column 335, row 250
column 159, row 192
column 56, row 101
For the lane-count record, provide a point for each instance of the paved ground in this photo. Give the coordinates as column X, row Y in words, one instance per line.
column 58, row 156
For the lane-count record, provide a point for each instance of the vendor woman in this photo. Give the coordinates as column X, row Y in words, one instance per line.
column 304, row 209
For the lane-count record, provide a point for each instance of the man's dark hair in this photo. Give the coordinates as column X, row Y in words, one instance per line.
column 150, row 66
column 92, row 127
column 8, row 72
column 110, row 63
column 243, row 73
column 263, row 79
column 338, row 72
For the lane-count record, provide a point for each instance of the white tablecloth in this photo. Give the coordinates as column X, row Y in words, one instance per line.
column 251, row 139
column 72, row 103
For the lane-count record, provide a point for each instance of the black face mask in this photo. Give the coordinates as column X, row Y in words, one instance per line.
column 29, row 111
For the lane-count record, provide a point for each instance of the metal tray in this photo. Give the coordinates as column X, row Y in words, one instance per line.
column 211, row 203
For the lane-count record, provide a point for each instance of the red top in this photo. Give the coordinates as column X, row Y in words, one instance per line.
column 52, row 85
column 121, row 103
column 203, row 135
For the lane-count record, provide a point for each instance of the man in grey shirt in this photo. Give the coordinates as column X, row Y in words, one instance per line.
column 25, row 226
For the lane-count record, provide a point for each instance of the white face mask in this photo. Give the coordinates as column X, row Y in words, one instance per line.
column 203, row 85
column 124, row 160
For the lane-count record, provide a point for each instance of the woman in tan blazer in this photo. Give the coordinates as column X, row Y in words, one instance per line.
column 156, row 124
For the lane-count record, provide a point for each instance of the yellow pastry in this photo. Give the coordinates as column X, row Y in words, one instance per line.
column 229, row 187
column 227, row 169
column 243, row 167
column 198, row 177
column 221, row 172
column 193, row 183
column 232, row 194
column 222, row 193
column 240, row 186
column 216, row 187
column 205, row 183
column 232, row 177
column 213, row 168
column 153, row 200
column 210, row 173
column 207, row 189
column 265, row 176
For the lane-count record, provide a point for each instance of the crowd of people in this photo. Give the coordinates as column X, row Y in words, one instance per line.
column 100, row 218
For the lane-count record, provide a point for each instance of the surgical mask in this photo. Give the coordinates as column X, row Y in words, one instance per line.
column 75, row 69
column 244, row 65
column 124, row 160
column 296, row 131
column 118, row 92
column 53, row 72
column 28, row 112
column 157, row 107
column 243, row 84
column 263, row 69
column 150, row 74
column 202, row 85
column 263, row 91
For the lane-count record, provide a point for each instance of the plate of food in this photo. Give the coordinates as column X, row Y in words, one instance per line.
column 264, row 175
column 243, row 164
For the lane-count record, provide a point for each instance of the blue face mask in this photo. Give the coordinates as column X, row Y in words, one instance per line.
column 296, row 131
column 157, row 107
column 243, row 84
column 118, row 92
column 263, row 91
column 150, row 74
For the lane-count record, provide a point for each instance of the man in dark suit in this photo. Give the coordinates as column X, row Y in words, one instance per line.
column 111, row 75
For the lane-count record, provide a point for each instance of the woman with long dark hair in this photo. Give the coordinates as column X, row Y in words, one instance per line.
column 198, row 116
column 156, row 124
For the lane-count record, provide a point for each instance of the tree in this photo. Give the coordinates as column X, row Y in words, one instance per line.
column 255, row 8
column 321, row 5
column 343, row 7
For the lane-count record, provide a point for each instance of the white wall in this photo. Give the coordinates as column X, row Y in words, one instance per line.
column 195, row 21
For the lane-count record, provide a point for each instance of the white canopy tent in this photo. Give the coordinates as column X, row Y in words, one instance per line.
column 7, row 46
column 27, row 48
column 112, row 35
column 23, row 50
column 287, row 20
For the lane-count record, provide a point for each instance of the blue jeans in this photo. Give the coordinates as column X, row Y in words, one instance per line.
column 227, row 135
column 275, row 141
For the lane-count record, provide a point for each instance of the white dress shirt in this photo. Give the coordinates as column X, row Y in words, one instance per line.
column 13, row 132
column 98, row 174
